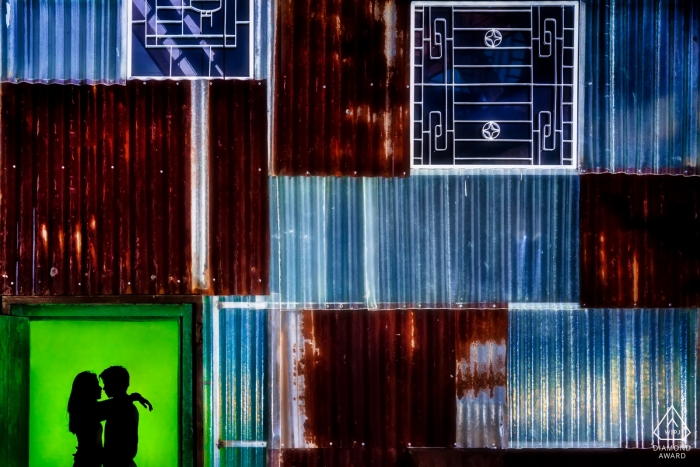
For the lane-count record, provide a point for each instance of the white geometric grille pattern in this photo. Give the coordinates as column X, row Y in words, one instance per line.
column 494, row 84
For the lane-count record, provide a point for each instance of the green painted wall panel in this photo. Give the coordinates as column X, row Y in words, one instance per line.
column 14, row 368
column 60, row 349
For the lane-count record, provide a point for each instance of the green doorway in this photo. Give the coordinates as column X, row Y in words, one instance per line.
column 60, row 349
column 154, row 343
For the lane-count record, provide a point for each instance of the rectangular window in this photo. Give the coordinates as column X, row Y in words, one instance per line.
column 191, row 38
column 494, row 84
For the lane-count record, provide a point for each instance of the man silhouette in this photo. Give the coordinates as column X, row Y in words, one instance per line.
column 122, row 420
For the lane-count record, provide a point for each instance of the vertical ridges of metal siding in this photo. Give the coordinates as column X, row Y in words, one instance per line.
column 243, row 390
column 64, row 41
column 640, row 240
column 385, row 379
column 318, row 239
column 238, row 379
column 437, row 240
column 341, row 88
column 641, row 93
column 378, row 379
column 481, row 346
column 238, row 187
column 600, row 377
column 92, row 203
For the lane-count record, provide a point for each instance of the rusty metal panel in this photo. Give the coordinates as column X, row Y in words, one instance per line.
column 389, row 379
column 640, row 241
column 642, row 81
column 95, row 189
column 334, row 457
column 480, row 350
column 341, row 97
column 238, row 193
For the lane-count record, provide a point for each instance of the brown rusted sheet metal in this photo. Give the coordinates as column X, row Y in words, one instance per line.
column 485, row 328
column 386, row 379
column 239, row 216
column 640, row 241
column 480, row 350
column 95, row 189
column 359, row 457
column 341, row 98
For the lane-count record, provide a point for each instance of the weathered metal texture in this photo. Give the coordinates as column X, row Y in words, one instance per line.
column 385, row 379
column 640, row 241
column 235, row 360
column 199, row 176
column 243, row 384
column 238, row 193
column 600, row 378
column 641, row 87
column 585, row 457
column 335, row 457
column 437, row 240
column 341, row 93
column 63, row 41
column 480, row 350
column 95, row 189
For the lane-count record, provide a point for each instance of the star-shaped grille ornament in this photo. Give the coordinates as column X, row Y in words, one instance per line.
column 491, row 130
column 493, row 38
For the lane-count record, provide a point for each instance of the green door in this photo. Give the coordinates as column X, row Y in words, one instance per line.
column 14, row 390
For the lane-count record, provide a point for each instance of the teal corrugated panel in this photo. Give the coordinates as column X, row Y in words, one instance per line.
column 63, row 41
column 317, row 239
column 640, row 87
column 439, row 240
column 242, row 403
column 601, row 377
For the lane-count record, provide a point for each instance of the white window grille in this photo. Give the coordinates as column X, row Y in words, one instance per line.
column 191, row 38
column 494, row 84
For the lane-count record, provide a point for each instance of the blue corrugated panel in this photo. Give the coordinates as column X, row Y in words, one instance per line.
column 640, row 86
column 242, row 399
column 317, row 239
column 65, row 41
column 601, row 378
column 439, row 240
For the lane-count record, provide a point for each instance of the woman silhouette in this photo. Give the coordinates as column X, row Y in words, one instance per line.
column 85, row 412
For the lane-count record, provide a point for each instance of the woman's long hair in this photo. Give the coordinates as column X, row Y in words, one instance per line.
column 81, row 400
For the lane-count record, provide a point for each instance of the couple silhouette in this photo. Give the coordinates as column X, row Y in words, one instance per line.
column 86, row 412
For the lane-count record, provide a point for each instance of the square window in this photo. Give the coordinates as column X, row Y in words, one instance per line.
column 190, row 39
column 497, row 84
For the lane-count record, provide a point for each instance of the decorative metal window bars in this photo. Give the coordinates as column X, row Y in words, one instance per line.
column 191, row 38
column 494, row 84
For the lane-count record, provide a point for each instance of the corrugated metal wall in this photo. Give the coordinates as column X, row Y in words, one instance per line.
column 640, row 87
column 640, row 241
column 436, row 240
column 341, row 457
column 95, row 189
column 388, row 379
column 481, row 347
column 238, row 195
column 341, row 98
column 238, row 375
column 600, row 378
column 63, row 41
column 521, row 457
